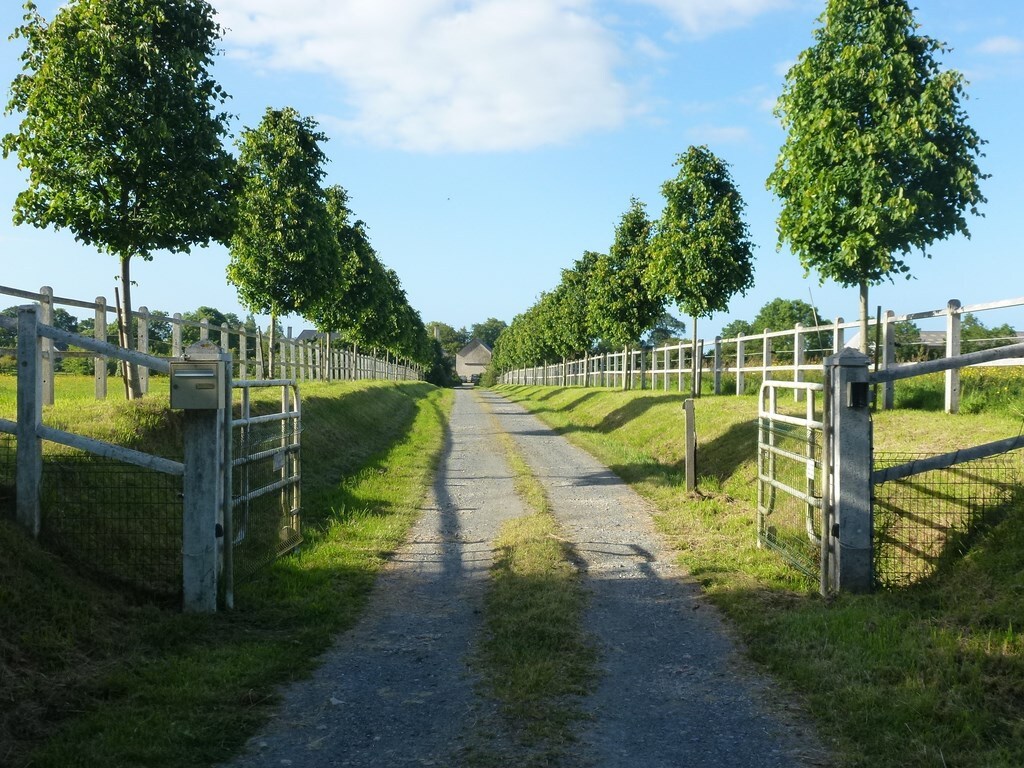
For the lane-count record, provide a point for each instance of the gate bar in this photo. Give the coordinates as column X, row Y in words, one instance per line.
column 945, row 460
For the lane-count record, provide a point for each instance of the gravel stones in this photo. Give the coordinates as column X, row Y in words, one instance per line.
column 397, row 690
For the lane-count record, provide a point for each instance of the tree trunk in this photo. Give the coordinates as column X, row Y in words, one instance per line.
column 693, row 360
column 272, row 340
column 864, row 316
column 131, row 371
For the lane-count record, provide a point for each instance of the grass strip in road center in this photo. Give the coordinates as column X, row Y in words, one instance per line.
column 535, row 659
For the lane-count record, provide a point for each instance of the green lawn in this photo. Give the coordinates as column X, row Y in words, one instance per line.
column 95, row 677
column 928, row 676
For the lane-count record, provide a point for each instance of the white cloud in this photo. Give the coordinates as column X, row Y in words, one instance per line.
column 705, row 17
column 1002, row 45
column 445, row 75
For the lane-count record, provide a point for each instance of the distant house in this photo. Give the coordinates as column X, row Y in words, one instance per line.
column 472, row 360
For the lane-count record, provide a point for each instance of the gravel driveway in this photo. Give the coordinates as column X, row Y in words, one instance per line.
column 397, row 689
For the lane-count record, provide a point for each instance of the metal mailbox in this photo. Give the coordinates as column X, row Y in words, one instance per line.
column 197, row 384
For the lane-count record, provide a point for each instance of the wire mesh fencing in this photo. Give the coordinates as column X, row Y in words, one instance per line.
column 924, row 518
column 8, row 446
column 114, row 519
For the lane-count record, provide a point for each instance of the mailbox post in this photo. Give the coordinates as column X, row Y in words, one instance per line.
column 198, row 386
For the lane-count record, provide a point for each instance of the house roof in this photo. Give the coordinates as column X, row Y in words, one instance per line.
column 473, row 345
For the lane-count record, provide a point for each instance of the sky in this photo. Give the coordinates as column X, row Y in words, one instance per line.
column 488, row 143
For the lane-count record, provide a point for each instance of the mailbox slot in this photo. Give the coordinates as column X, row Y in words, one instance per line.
column 197, row 384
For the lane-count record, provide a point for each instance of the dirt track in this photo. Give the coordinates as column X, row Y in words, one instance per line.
column 397, row 690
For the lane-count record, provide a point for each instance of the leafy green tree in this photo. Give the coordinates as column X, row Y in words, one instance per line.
column 9, row 339
column 160, row 328
column 909, row 347
column 737, row 328
column 621, row 305
column 450, row 338
column 975, row 336
column 65, row 321
column 488, row 331
column 283, row 252
column 441, row 369
column 702, row 255
column 783, row 314
column 570, row 319
column 878, row 159
column 120, row 130
column 215, row 318
column 357, row 283
column 667, row 328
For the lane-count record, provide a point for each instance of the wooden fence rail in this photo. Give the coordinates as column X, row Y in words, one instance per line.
column 770, row 355
column 312, row 357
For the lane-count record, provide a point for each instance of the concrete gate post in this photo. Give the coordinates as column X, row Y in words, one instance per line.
column 851, row 566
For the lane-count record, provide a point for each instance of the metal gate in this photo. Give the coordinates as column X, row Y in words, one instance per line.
column 265, row 475
column 791, row 466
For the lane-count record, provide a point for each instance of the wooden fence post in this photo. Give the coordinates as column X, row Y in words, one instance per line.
column 741, row 360
column 953, row 350
column 838, row 337
column 243, row 354
column 851, row 563
column 47, row 350
column 203, row 431
column 691, row 446
column 699, row 369
column 142, row 345
column 225, row 337
column 766, row 355
column 204, row 329
column 798, row 360
column 176, row 335
column 29, row 451
column 99, row 363
column 718, row 365
column 889, row 359
column 682, row 364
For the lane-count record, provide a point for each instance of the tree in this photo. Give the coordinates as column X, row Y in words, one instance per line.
column 907, row 337
column 975, row 335
column 666, row 328
column 9, row 339
column 488, row 331
column 737, row 328
column 621, row 305
column 120, row 130
column 783, row 314
column 283, row 252
column 702, row 254
column 574, row 333
column 450, row 338
column 879, row 159
column 214, row 317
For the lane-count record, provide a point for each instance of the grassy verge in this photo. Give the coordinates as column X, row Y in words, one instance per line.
column 92, row 677
column 535, row 658
column 928, row 676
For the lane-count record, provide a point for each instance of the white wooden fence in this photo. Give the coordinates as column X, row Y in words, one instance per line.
column 319, row 358
column 672, row 366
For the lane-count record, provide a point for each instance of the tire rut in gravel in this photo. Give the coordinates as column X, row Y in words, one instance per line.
column 675, row 691
column 397, row 690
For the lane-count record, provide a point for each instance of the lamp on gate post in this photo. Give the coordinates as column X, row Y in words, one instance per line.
column 851, row 534
column 198, row 387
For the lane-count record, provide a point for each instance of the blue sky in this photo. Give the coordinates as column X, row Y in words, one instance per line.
column 488, row 143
